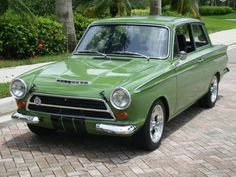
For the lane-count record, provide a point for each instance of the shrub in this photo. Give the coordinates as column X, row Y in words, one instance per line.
column 20, row 38
column 215, row 10
column 172, row 13
column 49, row 33
column 140, row 12
column 16, row 38
column 81, row 24
column 145, row 12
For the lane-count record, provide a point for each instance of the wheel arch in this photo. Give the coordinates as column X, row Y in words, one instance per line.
column 166, row 104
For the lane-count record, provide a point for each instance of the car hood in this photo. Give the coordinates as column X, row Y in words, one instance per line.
column 93, row 74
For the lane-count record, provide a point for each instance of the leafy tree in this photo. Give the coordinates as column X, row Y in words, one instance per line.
column 3, row 6
column 139, row 4
column 116, row 7
column 16, row 5
column 42, row 7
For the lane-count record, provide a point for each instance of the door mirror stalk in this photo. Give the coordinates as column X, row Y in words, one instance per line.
column 183, row 55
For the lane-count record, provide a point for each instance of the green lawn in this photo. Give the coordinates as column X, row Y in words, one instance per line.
column 10, row 63
column 4, row 90
column 214, row 24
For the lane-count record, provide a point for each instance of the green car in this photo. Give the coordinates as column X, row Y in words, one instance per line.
column 126, row 77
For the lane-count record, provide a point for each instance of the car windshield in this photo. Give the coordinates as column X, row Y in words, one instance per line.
column 136, row 40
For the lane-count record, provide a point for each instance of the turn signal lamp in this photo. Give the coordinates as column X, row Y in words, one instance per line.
column 122, row 115
column 20, row 104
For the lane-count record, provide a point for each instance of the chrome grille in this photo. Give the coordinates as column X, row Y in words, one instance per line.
column 70, row 106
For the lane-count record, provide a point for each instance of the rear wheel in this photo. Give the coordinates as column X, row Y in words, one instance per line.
column 210, row 98
column 41, row 131
column 149, row 137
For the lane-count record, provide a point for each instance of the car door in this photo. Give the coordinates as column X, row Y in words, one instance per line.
column 203, row 48
column 189, row 72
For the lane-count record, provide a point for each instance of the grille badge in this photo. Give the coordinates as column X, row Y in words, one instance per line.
column 37, row 101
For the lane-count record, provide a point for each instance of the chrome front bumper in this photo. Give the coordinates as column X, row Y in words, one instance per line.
column 25, row 118
column 116, row 129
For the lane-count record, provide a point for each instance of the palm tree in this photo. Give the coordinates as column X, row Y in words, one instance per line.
column 186, row 6
column 155, row 7
column 64, row 15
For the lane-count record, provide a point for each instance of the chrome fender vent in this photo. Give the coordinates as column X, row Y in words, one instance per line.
column 74, row 82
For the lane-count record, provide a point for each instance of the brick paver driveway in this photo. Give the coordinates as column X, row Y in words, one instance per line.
column 198, row 142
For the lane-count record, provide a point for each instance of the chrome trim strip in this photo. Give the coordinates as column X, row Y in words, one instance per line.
column 69, row 107
column 25, row 118
column 116, row 129
column 95, row 99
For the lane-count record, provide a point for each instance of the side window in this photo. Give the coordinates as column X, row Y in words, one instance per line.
column 183, row 39
column 199, row 36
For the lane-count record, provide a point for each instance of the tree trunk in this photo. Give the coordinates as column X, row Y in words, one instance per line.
column 196, row 8
column 196, row 4
column 64, row 15
column 159, row 7
column 155, row 7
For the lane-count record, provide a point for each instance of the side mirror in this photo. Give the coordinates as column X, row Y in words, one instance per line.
column 183, row 55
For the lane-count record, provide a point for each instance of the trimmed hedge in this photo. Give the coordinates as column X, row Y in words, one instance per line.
column 22, row 38
column 215, row 10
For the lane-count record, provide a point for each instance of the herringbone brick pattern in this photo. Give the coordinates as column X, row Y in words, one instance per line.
column 198, row 142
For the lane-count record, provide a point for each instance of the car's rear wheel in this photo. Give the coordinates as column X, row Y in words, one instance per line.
column 210, row 98
column 41, row 131
column 149, row 137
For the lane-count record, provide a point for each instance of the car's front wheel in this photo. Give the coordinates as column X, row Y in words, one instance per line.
column 210, row 98
column 149, row 137
column 41, row 131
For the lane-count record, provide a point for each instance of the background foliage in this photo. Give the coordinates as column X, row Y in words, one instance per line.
column 20, row 38
column 24, row 24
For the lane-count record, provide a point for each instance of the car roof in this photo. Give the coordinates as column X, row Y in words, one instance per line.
column 155, row 20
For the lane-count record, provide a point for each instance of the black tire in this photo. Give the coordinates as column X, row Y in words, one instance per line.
column 143, row 137
column 41, row 131
column 209, row 100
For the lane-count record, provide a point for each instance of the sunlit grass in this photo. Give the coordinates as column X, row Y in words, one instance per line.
column 4, row 90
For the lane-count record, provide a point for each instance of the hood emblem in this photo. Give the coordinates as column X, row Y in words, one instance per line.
column 74, row 82
column 37, row 101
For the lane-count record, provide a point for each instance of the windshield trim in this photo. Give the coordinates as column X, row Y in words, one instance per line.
column 130, row 24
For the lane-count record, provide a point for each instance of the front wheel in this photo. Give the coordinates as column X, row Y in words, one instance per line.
column 41, row 131
column 149, row 137
column 210, row 98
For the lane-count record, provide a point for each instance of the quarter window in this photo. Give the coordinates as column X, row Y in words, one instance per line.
column 183, row 39
column 199, row 35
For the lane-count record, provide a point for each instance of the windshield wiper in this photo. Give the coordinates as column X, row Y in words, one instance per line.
column 131, row 53
column 92, row 51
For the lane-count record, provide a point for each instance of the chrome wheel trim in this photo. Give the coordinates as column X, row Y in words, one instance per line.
column 214, row 89
column 156, row 123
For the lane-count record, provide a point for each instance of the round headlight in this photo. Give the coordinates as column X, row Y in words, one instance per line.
column 18, row 88
column 120, row 98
